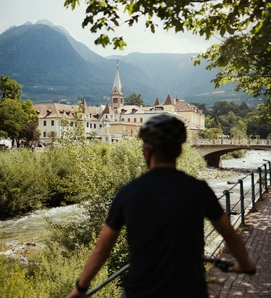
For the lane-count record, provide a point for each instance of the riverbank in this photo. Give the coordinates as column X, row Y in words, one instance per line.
column 29, row 228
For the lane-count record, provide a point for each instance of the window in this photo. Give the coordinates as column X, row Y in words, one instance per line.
column 44, row 123
column 134, row 119
column 115, row 100
column 90, row 125
column 122, row 119
column 141, row 120
column 94, row 125
column 52, row 122
column 128, row 119
column 44, row 134
column 87, row 124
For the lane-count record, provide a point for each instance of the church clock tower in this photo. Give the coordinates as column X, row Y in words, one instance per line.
column 117, row 96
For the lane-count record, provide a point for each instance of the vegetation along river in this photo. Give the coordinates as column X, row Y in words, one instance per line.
column 31, row 226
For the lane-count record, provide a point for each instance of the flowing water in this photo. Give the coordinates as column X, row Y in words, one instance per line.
column 251, row 161
column 31, row 226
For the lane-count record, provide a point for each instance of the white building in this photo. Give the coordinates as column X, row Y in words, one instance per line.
column 112, row 121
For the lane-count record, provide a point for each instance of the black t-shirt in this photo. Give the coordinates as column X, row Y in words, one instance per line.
column 164, row 212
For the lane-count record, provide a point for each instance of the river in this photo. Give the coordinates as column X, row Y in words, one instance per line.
column 31, row 226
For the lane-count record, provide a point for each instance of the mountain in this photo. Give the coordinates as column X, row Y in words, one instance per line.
column 51, row 65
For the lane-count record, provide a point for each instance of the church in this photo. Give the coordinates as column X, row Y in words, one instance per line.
column 113, row 121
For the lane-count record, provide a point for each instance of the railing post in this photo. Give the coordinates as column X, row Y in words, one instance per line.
column 265, row 178
column 260, row 184
column 269, row 167
column 242, row 203
column 228, row 202
column 253, row 209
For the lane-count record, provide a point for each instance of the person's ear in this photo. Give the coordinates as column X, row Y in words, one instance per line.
column 147, row 151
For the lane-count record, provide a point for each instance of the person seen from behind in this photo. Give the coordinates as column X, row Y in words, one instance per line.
column 164, row 212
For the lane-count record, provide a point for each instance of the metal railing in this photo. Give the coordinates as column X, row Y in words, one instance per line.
column 232, row 141
column 238, row 201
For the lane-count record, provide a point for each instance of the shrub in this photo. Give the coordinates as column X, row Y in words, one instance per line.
column 23, row 186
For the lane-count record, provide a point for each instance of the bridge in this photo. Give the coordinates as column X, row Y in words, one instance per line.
column 213, row 149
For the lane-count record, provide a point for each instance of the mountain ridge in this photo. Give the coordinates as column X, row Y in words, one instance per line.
column 51, row 65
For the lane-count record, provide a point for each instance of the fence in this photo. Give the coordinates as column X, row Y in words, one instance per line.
column 238, row 201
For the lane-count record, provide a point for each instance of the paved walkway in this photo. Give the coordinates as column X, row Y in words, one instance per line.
column 257, row 236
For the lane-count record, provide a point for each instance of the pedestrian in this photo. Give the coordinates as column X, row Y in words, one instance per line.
column 164, row 213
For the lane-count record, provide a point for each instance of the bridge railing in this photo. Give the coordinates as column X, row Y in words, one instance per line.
column 238, row 201
column 233, row 141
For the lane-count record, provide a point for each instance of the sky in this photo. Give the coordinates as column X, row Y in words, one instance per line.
column 138, row 38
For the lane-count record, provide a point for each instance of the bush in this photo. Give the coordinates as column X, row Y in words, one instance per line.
column 23, row 186
column 50, row 275
column 190, row 161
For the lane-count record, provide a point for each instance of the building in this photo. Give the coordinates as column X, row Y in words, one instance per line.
column 113, row 121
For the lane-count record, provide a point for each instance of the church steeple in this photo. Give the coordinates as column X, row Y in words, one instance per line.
column 117, row 96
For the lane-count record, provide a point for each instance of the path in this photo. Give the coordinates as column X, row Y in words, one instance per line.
column 257, row 236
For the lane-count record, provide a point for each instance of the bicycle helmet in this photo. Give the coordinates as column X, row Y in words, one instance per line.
column 163, row 129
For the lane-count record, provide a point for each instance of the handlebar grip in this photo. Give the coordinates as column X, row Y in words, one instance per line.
column 225, row 266
column 251, row 272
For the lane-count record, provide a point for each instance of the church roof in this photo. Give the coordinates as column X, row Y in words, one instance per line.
column 117, row 83
column 157, row 102
column 107, row 110
column 168, row 101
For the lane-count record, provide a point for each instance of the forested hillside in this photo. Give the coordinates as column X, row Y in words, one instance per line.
column 51, row 65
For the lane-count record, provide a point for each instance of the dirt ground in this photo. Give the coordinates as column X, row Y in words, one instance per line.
column 214, row 276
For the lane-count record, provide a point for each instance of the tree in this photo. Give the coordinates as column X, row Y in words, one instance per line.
column 18, row 119
column 243, row 54
column 228, row 122
column 257, row 124
column 241, row 26
column 10, row 88
column 211, row 133
column 223, row 107
column 240, row 130
column 134, row 99
column 12, row 118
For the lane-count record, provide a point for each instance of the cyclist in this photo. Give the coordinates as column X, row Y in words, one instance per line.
column 164, row 213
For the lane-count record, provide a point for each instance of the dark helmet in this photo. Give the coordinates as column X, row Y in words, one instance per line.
column 162, row 130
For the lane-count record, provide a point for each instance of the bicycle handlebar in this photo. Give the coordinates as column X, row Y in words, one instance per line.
column 223, row 265
column 110, row 278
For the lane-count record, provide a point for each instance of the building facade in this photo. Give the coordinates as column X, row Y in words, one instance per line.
column 113, row 121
